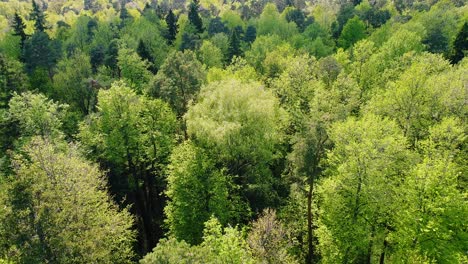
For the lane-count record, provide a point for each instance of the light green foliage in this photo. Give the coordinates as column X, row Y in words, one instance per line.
column 277, row 60
column 260, row 48
column 390, row 60
column 129, row 129
column 217, row 247
column 368, row 164
column 353, row 31
column 73, row 82
column 133, row 69
column 232, row 19
column 243, row 126
column 242, row 121
column 238, row 69
column 196, row 190
column 57, row 210
column 411, row 101
column 178, row 81
column 210, row 55
column 151, row 34
column 271, row 23
column 432, row 218
column 36, row 114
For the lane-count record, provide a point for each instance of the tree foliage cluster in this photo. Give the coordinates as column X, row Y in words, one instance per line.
column 233, row 132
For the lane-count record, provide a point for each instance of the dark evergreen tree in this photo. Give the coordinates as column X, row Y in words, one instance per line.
column 194, row 17
column 190, row 41
column 234, row 45
column 460, row 45
column 145, row 54
column 250, row 34
column 110, row 59
column 92, row 26
column 38, row 16
column 41, row 52
column 346, row 12
column 171, row 21
column 97, row 55
column 436, row 40
column 216, row 26
column 296, row 16
column 124, row 16
column 18, row 28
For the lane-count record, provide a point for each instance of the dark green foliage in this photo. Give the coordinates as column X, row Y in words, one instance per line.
column 110, row 59
column 97, row 55
column 250, row 34
column 460, row 45
column 436, row 40
column 12, row 79
column 125, row 17
column 18, row 28
column 194, row 16
column 346, row 12
column 353, row 31
column 234, row 45
column 190, row 41
column 171, row 22
column 144, row 53
column 297, row 16
column 217, row 26
column 37, row 14
column 41, row 52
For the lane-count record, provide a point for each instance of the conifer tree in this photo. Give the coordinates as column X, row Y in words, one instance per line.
column 460, row 45
column 194, row 17
column 18, row 28
column 38, row 16
column 234, row 45
column 145, row 54
column 171, row 21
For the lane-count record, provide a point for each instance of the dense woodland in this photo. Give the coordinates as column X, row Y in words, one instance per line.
column 244, row 131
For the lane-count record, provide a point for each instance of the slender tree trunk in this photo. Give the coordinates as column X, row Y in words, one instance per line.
column 310, row 245
column 382, row 255
column 371, row 244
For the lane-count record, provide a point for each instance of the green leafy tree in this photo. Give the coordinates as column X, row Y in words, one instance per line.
column 132, row 136
column 178, row 81
column 37, row 115
column 12, row 79
column 210, row 55
column 171, row 22
column 242, row 125
column 197, row 190
column 133, row 69
column 57, row 209
column 367, row 166
column 433, row 206
column 218, row 246
column 73, row 83
column 353, row 31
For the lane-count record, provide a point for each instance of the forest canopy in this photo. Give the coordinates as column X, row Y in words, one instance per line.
column 250, row 131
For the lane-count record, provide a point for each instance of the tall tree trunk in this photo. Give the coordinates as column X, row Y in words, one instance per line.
column 382, row 255
column 310, row 245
